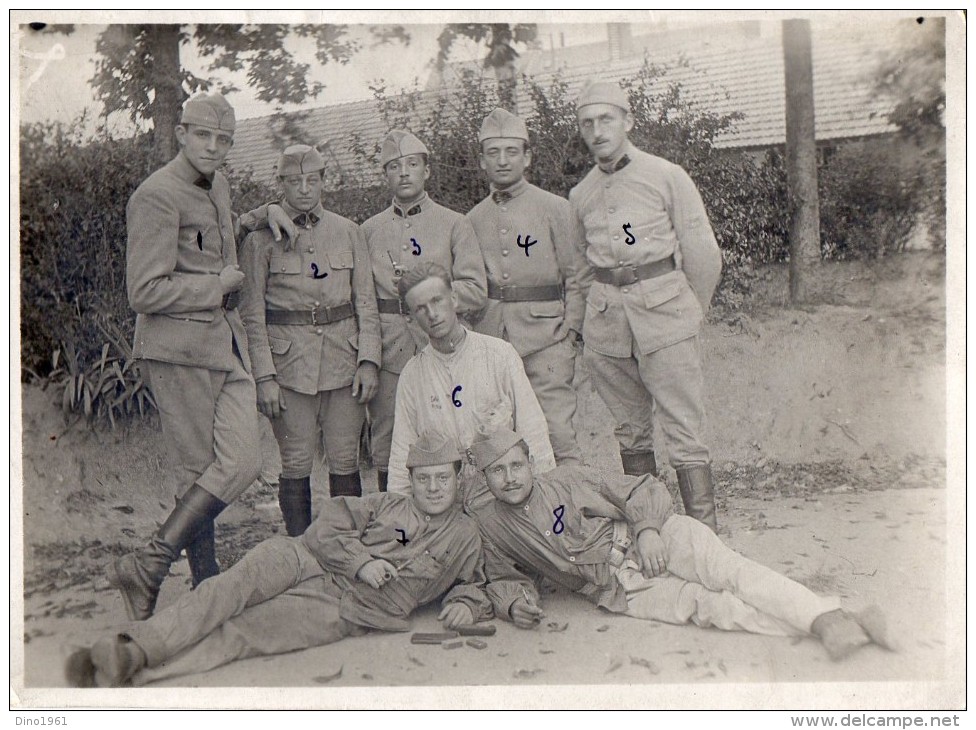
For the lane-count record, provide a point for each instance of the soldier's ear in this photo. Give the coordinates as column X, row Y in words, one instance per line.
column 528, row 157
column 180, row 134
column 628, row 121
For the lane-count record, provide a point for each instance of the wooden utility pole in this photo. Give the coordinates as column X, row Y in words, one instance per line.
column 801, row 160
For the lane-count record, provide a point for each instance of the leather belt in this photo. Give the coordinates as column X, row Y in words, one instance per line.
column 620, row 543
column 231, row 300
column 319, row 315
column 392, row 306
column 626, row 275
column 546, row 293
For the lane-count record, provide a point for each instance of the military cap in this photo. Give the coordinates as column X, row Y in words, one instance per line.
column 502, row 123
column 209, row 110
column 489, row 448
column 400, row 143
column 603, row 92
column 432, row 449
column 299, row 159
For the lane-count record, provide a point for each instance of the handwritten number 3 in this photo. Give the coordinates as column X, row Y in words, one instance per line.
column 316, row 274
column 454, row 399
column 416, row 247
column 557, row 526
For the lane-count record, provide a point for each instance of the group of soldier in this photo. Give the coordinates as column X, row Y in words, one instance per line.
column 455, row 338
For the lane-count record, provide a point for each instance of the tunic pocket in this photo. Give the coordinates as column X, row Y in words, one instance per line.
column 341, row 259
column 278, row 345
column 553, row 308
column 657, row 293
column 286, row 264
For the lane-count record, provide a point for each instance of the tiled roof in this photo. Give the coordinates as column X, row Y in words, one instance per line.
column 745, row 75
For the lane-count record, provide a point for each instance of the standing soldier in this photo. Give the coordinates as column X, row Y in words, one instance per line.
column 182, row 279
column 310, row 313
column 535, row 296
column 656, row 263
column 413, row 229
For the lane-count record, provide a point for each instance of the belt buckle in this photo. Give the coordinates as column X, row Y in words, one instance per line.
column 315, row 320
column 631, row 278
column 401, row 305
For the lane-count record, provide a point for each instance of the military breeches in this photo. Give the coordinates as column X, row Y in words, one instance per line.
column 551, row 371
column 276, row 599
column 211, row 418
column 339, row 417
column 381, row 410
column 709, row 584
column 672, row 378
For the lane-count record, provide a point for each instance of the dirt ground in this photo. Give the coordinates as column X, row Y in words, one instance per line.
column 828, row 431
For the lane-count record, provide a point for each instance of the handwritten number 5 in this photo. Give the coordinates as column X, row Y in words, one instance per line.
column 454, row 399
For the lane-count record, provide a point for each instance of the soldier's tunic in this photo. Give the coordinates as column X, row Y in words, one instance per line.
column 526, row 243
column 426, row 231
column 325, row 268
column 593, row 552
column 494, row 392
column 642, row 343
column 292, row 593
column 194, row 350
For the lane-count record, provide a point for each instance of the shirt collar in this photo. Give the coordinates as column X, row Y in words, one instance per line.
column 435, row 521
column 293, row 213
column 512, row 191
column 182, row 168
column 414, row 209
column 620, row 163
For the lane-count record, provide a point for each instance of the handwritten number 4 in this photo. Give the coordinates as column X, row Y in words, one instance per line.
column 454, row 398
column 528, row 242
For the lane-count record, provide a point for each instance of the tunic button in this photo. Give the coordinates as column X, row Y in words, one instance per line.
column 625, row 290
column 404, row 247
column 504, row 276
column 572, row 558
column 610, row 210
column 504, row 230
column 616, row 236
column 283, row 268
column 406, row 225
column 409, row 319
column 504, row 208
column 548, row 533
column 620, row 263
column 311, row 250
column 504, row 252
column 318, row 331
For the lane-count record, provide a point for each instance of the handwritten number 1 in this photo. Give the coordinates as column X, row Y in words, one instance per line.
column 454, row 399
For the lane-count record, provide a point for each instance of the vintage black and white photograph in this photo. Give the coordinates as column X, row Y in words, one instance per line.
column 488, row 359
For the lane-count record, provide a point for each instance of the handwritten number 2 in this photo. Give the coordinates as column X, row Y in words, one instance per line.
column 316, row 274
column 454, row 398
column 557, row 526
column 416, row 247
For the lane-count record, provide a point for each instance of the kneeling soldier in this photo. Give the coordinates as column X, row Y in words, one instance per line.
column 313, row 329
column 348, row 574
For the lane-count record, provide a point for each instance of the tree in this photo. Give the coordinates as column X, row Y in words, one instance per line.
column 139, row 69
column 500, row 39
column 801, row 158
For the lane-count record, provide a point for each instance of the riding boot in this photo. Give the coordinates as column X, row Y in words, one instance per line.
column 201, row 554
column 382, row 477
column 840, row 633
column 138, row 575
column 695, row 485
column 295, row 500
column 636, row 465
column 345, row 485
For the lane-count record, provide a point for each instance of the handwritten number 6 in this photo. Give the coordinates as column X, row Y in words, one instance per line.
column 454, row 399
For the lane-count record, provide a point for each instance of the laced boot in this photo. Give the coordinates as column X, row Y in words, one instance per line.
column 382, row 478
column 697, row 494
column 295, row 500
column 201, row 554
column 637, row 465
column 116, row 660
column 345, row 485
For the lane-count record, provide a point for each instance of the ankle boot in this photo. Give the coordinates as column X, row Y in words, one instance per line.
column 201, row 554
column 695, row 485
column 138, row 575
column 840, row 633
column 345, row 485
column 116, row 660
column 637, row 465
column 295, row 500
column 382, row 477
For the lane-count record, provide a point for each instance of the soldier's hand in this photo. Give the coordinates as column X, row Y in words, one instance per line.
column 652, row 553
column 377, row 573
column 271, row 400
column 525, row 615
column 231, row 278
column 366, row 382
column 279, row 221
column 457, row 614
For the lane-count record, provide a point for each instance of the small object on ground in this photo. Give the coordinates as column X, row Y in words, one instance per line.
column 435, row 638
column 721, row 665
column 615, row 664
column 553, row 626
column 476, row 644
column 367, row 676
column 526, row 673
column 546, row 651
column 327, row 678
column 477, row 630
column 605, row 627
column 454, row 645
column 648, row 665
column 416, row 661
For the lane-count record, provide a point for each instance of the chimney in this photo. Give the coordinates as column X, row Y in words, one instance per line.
column 620, row 40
